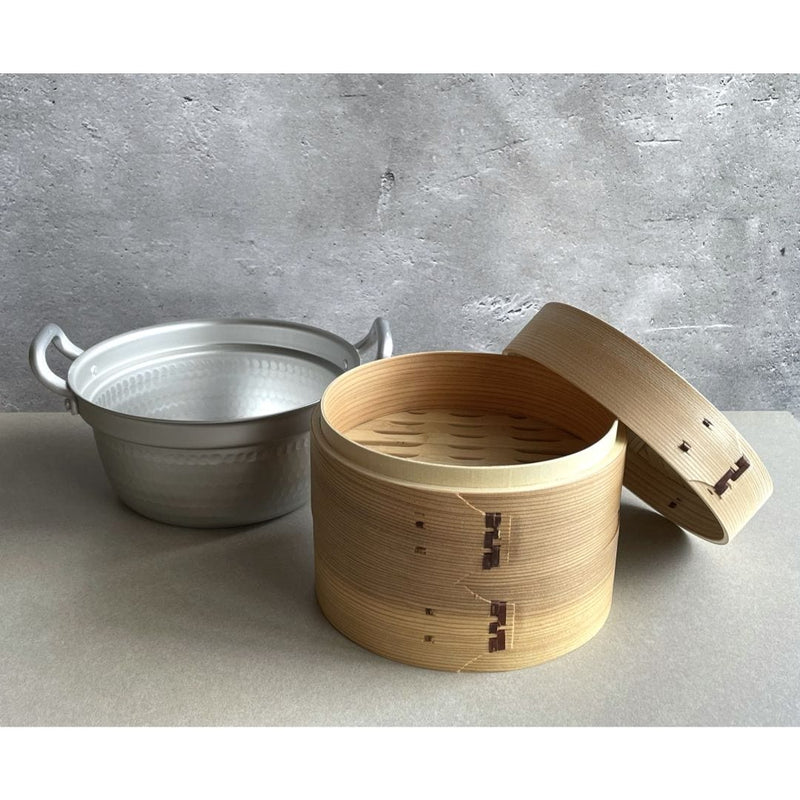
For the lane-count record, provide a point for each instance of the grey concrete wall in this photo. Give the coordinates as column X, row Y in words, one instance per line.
column 453, row 205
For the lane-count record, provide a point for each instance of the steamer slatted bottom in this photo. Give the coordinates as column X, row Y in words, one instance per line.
column 465, row 510
column 466, row 437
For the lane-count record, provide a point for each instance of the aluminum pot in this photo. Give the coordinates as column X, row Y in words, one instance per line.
column 205, row 423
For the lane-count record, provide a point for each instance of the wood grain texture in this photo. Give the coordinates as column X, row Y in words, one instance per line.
column 422, row 564
column 681, row 446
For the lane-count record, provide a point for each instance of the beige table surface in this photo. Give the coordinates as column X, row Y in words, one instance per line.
column 107, row 618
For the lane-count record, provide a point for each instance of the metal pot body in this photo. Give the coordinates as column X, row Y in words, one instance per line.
column 216, row 487
column 205, row 423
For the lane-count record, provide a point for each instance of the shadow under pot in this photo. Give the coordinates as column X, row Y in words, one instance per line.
column 205, row 423
column 466, row 510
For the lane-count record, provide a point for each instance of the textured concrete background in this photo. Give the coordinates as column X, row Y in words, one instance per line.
column 453, row 205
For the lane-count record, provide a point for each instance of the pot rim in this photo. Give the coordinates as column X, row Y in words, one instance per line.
column 491, row 478
column 203, row 433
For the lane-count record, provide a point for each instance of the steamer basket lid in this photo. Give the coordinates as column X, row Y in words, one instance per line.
column 685, row 458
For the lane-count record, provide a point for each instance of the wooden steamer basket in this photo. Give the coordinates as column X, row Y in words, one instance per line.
column 466, row 505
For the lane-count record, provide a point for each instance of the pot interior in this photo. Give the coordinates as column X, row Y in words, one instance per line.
column 222, row 384
column 464, row 409
column 211, row 372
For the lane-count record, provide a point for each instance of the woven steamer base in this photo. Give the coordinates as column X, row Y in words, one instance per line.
column 465, row 510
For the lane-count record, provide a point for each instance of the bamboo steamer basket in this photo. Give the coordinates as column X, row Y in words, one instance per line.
column 466, row 505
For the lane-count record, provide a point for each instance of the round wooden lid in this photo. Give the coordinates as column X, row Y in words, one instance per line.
column 685, row 458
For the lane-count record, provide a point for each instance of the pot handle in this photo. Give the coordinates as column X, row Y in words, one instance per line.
column 37, row 355
column 380, row 335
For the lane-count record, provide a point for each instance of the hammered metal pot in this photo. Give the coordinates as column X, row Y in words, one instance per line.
column 205, row 423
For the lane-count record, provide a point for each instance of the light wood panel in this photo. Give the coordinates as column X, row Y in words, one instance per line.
column 463, row 528
column 686, row 459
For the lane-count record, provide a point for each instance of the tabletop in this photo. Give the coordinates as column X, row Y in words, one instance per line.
column 111, row 619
